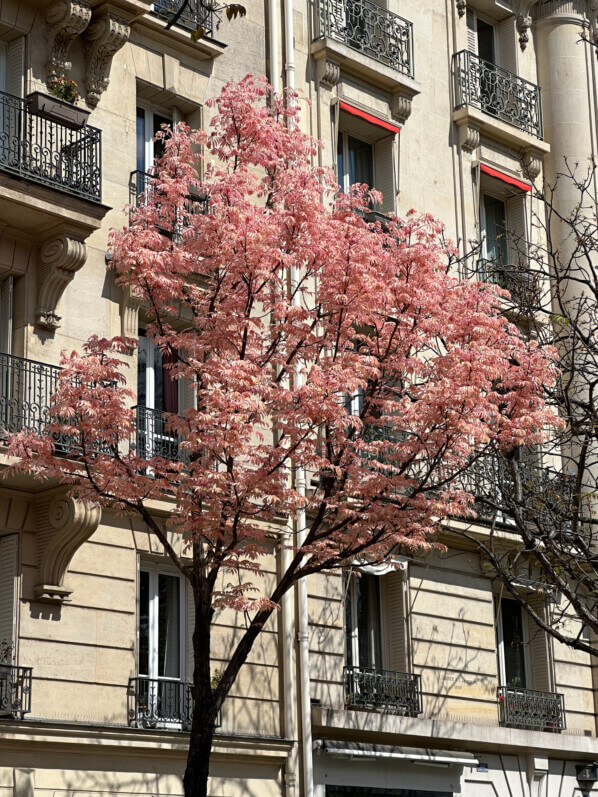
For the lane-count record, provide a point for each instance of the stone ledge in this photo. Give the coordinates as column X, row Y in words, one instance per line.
column 499, row 131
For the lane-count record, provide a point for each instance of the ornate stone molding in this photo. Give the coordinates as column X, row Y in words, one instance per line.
column 469, row 137
column 329, row 73
column 532, row 164
column 60, row 257
column 461, row 7
column 523, row 20
column 63, row 525
column 400, row 107
column 65, row 19
column 129, row 313
column 106, row 35
column 550, row 8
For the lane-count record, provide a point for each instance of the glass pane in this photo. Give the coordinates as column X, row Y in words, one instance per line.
column 368, row 619
column 142, row 370
column 141, row 139
column 486, row 41
column 169, row 624
column 159, row 145
column 143, row 622
column 348, row 618
column 340, row 166
column 513, row 643
column 158, row 397
column 495, row 230
column 361, row 162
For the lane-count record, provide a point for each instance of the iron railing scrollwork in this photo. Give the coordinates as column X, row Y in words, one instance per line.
column 48, row 152
column 15, row 691
column 153, row 439
column 497, row 92
column 196, row 14
column 144, row 190
column 372, row 688
column 521, row 281
column 160, row 703
column 369, row 29
column 531, row 710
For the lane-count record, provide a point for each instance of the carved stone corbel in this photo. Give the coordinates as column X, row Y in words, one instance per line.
column 105, row 36
column 461, row 7
column 66, row 19
column 60, row 257
column 329, row 73
column 532, row 164
column 63, row 525
column 129, row 313
column 469, row 137
column 523, row 20
column 400, row 107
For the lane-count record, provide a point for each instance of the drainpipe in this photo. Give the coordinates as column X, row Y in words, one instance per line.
column 273, row 44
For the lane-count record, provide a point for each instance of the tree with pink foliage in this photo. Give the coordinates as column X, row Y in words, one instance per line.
column 315, row 342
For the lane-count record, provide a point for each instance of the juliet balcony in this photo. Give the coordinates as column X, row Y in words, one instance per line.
column 523, row 283
column 15, row 691
column 502, row 95
column 43, row 150
column 195, row 15
column 159, row 703
column 399, row 692
column 531, row 710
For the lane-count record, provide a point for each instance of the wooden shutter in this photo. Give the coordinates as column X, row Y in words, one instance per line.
column 517, row 230
column 6, row 315
column 189, row 625
column 507, row 40
column 15, row 66
column 384, row 173
column 8, row 586
column 396, row 622
column 472, row 31
column 539, row 646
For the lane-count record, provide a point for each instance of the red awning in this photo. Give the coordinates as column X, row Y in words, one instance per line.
column 373, row 120
column 505, row 177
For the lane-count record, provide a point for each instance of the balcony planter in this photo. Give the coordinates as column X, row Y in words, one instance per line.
column 57, row 110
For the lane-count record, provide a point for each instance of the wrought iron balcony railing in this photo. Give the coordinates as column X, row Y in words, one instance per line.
column 48, row 152
column 152, row 438
column 497, row 92
column 196, row 14
column 531, row 710
column 373, row 688
column 143, row 190
column 370, row 29
column 522, row 282
column 160, row 703
column 15, row 691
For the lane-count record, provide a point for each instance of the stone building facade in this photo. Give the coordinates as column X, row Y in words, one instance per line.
column 445, row 106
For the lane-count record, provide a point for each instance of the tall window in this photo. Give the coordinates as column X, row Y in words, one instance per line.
column 156, row 389
column 494, row 229
column 355, row 161
column 149, row 123
column 514, row 666
column 362, row 622
column 160, row 623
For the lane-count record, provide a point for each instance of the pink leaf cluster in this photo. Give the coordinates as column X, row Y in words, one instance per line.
column 278, row 366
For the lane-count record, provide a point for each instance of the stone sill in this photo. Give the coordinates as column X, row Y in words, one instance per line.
column 364, row 66
column 375, row 727
column 492, row 128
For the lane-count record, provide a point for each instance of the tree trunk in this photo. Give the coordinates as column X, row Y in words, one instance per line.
column 197, row 771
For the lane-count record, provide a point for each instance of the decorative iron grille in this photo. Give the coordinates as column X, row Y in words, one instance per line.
column 161, row 702
column 531, row 710
column 373, row 688
column 196, row 14
column 522, row 282
column 143, row 190
column 45, row 151
column 497, row 92
column 369, row 29
column 15, row 691
column 153, row 439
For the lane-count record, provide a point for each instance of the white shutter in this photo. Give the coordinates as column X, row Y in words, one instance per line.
column 15, row 66
column 8, row 585
column 396, row 625
column 6, row 315
column 517, row 230
column 507, row 40
column 189, row 626
column 540, row 657
column 384, row 173
column 472, row 31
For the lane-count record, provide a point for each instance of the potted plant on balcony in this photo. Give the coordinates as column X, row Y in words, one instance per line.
column 59, row 105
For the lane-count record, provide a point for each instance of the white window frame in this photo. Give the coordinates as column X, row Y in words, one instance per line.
column 382, row 627
column 502, row 670
column 155, row 570
column 483, row 193
column 149, row 111
column 344, row 134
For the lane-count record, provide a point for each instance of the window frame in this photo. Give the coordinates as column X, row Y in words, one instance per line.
column 500, row 645
column 148, row 124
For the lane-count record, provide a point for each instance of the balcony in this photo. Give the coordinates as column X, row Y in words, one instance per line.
column 196, row 14
column 25, row 390
column 522, row 283
column 161, row 703
column 152, row 439
column 143, row 190
column 48, row 152
column 371, row 688
column 15, row 691
column 369, row 29
column 531, row 710
column 495, row 91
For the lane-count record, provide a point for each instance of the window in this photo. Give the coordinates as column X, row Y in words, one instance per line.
column 367, row 151
column 156, row 389
column 362, row 622
column 493, row 41
column 513, row 649
column 6, row 292
column 149, row 123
